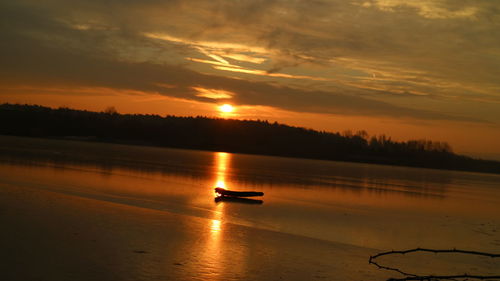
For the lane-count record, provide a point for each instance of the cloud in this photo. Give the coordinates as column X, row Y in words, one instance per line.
column 433, row 9
column 29, row 63
column 307, row 56
column 213, row 93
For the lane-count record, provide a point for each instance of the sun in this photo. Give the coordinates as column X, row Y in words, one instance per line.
column 226, row 108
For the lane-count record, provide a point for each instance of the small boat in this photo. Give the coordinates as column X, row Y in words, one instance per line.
column 224, row 192
column 241, row 200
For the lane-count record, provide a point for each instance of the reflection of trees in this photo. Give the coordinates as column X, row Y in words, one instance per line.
column 105, row 157
column 275, row 172
column 233, row 170
column 254, row 137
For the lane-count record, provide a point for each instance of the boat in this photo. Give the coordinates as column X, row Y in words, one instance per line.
column 224, row 192
column 241, row 200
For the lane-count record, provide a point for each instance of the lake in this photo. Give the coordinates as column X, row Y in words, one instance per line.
column 85, row 210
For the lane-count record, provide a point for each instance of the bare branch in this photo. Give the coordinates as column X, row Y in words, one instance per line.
column 411, row 276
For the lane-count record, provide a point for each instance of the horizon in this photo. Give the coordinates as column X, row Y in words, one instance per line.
column 362, row 133
column 409, row 70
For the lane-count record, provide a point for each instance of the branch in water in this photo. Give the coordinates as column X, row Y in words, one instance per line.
column 411, row 276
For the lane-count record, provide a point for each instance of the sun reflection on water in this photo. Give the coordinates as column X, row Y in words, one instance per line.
column 215, row 227
column 212, row 253
column 221, row 167
column 220, row 183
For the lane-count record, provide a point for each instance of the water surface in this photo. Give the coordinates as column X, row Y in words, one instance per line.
column 363, row 206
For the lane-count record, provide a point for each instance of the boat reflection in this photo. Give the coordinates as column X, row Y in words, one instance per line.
column 237, row 200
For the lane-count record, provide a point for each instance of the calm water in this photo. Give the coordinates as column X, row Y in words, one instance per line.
column 373, row 206
column 370, row 206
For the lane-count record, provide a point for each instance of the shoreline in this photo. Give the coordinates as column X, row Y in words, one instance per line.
column 136, row 144
column 257, row 137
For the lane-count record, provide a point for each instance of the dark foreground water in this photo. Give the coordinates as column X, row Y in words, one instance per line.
column 153, row 211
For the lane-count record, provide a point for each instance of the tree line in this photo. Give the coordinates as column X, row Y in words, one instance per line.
column 242, row 136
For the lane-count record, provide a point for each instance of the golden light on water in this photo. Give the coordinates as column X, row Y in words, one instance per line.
column 215, row 227
column 212, row 253
column 220, row 183
column 221, row 166
column 226, row 108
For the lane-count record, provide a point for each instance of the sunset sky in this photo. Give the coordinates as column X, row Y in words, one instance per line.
column 409, row 69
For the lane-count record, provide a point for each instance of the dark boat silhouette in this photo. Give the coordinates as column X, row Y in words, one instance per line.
column 241, row 200
column 229, row 193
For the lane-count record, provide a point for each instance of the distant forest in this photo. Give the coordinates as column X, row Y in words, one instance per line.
column 242, row 136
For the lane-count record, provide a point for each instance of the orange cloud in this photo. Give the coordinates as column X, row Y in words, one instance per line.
column 265, row 73
column 213, row 93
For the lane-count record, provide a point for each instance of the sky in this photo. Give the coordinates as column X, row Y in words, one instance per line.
column 427, row 69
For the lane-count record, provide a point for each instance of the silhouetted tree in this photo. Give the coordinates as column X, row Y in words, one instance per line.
column 110, row 110
column 245, row 136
